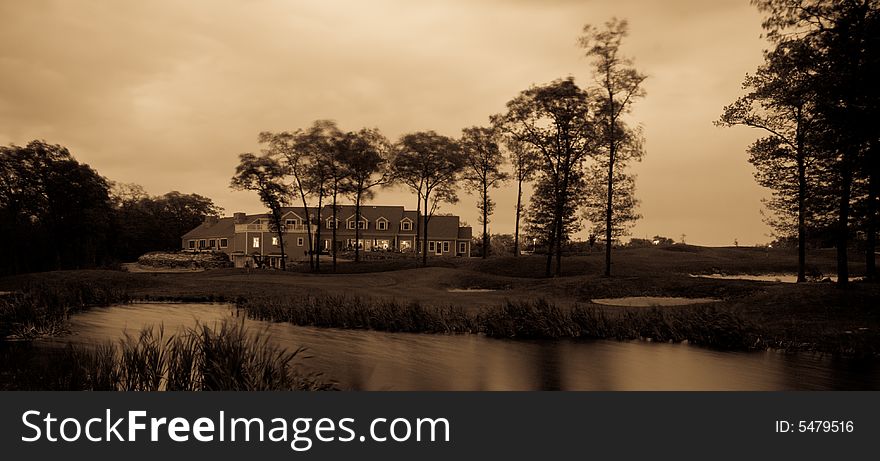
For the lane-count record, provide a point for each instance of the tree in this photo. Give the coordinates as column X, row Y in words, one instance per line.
column 265, row 176
column 364, row 157
column 321, row 172
column 482, row 172
column 297, row 163
column 625, row 202
column 781, row 100
column 554, row 120
column 526, row 162
column 844, row 36
column 429, row 164
column 618, row 84
column 56, row 213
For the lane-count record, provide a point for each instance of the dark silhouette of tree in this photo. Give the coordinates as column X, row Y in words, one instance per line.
column 618, row 84
column 482, row 172
column 265, row 175
column 55, row 212
column 364, row 157
column 297, row 163
column 781, row 100
column 526, row 162
column 844, row 37
column 429, row 164
column 553, row 119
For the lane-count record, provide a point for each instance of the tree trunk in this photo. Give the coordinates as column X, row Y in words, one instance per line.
column 425, row 230
column 518, row 210
column 308, row 227
column 609, row 208
column 871, row 226
column 843, row 221
column 357, row 226
column 318, row 234
column 485, row 220
column 280, row 238
column 418, row 223
column 333, row 243
column 801, row 210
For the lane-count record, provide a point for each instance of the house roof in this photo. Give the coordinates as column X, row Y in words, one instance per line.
column 223, row 227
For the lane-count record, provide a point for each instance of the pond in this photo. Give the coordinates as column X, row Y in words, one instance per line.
column 369, row 360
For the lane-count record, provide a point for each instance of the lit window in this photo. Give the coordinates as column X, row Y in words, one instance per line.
column 275, row 241
column 256, row 243
column 224, row 243
column 299, row 242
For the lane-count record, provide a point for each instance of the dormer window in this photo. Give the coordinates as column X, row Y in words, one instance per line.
column 362, row 224
column 382, row 224
column 406, row 224
column 291, row 223
column 331, row 224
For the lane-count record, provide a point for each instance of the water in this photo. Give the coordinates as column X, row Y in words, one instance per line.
column 398, row 361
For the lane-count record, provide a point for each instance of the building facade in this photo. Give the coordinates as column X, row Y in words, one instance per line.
column 381, row 228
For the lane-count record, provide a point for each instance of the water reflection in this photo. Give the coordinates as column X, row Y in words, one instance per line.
column 382, row 361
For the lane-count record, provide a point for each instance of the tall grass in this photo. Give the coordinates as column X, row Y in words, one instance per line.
column 225, row 357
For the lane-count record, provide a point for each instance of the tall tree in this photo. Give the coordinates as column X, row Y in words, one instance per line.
column 429, row 164
column 265, row 175
column 297, row 163
column 554, row 120
column 618, row 85
column 321, row 172
column 526, row 162
column 364, row 157
column 845, row 36
column 482, row 172
column 781, row 101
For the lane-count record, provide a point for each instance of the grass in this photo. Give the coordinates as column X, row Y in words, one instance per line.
column 227, row 357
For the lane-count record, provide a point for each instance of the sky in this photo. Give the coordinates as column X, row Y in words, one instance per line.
column 166, row 94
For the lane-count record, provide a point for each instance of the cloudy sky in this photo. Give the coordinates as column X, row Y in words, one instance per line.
column 167, row 93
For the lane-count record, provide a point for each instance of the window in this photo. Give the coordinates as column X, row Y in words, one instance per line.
column 446, row 247
column 202, row 244
column 299, row 241
column 275, row 241
column 362, row 224
column 291, row 223
column 462, row 247
column 256, row 243
column 382, row 224
column 431, row 246
column 212, row 243
column 224, row 243
column 326, row 244
column 331, row 224
column 192, row 244
column 406, row 225
column 405, row 245
column 351, row 224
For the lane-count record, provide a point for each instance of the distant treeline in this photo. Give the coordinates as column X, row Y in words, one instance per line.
column 57, row 213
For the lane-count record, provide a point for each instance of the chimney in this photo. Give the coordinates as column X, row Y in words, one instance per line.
column 238, row 218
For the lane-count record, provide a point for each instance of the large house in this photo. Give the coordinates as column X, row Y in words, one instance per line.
column 382, row 228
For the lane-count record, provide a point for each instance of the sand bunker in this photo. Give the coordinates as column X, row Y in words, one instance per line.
column 652, row 301
column 470, row 290
column 779, row 278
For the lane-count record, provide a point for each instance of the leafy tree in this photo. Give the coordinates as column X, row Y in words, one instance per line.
column 552, row 119
column 781, row 100
column 482, row 172
column 618, row 84
column 364, row 157
column 625, row 202
column 526, row 162
column 429, row 164
column 264, row 175
column 56, row 212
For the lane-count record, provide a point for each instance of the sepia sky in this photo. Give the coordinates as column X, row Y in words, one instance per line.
column 166, row 94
